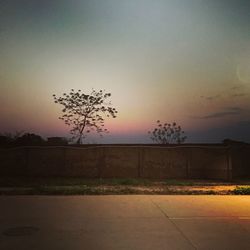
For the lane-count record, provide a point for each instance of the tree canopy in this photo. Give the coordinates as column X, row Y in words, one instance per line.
column 167, row 133
column 85, row 112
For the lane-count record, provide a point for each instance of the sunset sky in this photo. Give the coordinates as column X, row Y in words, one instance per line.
column 174, row 60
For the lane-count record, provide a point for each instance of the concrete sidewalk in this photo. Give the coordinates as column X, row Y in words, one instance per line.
column 124, row 222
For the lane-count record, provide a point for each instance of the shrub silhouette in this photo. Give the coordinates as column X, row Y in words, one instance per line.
column 29, row 139
column 167, row 133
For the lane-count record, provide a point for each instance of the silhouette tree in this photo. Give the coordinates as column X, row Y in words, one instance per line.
column 8, row 139
column 21, row 139
column 29, row 139
column 85, row 112
column 167, row 133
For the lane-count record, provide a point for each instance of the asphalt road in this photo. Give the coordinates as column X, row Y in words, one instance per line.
column 124, row 222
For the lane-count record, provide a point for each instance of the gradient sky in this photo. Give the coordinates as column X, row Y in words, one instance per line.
column 174, row 60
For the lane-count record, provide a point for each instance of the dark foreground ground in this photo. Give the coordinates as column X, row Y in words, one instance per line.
column 125, row 222
column 81, row 186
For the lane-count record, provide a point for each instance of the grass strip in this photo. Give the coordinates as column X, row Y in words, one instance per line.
column 242, row 190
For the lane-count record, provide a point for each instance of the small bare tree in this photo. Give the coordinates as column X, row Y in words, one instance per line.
column 84, row 112
column 167, row 133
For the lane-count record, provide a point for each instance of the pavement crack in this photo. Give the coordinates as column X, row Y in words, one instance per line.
column 172, row 222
